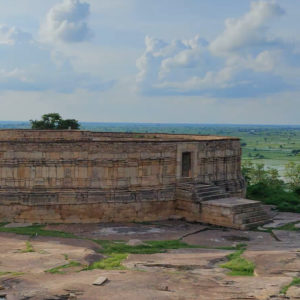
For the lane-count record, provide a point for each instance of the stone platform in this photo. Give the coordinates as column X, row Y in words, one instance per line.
column 235, row 213
column 212, row 204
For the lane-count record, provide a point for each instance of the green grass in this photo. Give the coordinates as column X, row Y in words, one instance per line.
column 109, row 247
column 288, row 227
column 296, row 281
column 111, row 263
column 17, row 273
column 29, row 248
column 11, row 273
column 38, row 230
column 58, row 270
column 238, row 265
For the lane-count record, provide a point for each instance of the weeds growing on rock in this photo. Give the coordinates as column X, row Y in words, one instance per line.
column 37, row 230
column 295, row 281
column 29, row 248
column 58, row 270
column 111, row 263
column 238, row 265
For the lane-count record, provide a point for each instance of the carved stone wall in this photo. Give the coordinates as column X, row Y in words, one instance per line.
column 48, row 173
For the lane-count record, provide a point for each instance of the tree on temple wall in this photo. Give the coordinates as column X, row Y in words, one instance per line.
column 54, row 121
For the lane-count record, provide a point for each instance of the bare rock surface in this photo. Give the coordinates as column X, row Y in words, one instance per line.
column 294, row 292
column 18, row 225
column 275, row 263
column 230, row 237
column 159, row 230
column 47, row 253
column 204, row 262
column 135, row 285
column 178, row 274
column 283, row 218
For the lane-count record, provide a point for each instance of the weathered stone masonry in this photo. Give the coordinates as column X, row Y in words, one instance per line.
column 81, row 176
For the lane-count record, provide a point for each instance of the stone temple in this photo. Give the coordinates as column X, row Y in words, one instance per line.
column 74, row 176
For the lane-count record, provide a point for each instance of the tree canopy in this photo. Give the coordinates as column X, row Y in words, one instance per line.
column 54, row 121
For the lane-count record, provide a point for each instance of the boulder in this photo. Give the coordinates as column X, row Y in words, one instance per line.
column 134, row 243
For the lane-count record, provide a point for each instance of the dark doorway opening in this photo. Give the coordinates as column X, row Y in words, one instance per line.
column 186, row 164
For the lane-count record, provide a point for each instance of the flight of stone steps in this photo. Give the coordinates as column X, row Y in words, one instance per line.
column 218, row 208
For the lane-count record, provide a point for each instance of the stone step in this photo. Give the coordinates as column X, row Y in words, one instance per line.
column 256, row 213
column 241, row 207
column 249, row 226
column 248, row 209
column 252, row 219
column 210, row 193
column 209, row 188
column 215, row 197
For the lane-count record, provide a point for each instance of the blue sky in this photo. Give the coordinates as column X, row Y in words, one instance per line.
column 193, row 61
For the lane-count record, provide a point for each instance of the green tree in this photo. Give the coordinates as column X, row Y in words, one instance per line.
column 292, row 174
column 257, row 173
column 54, row 121
column 68, row 123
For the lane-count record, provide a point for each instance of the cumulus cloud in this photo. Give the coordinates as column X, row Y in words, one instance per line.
column 250, row 31
column 13, row 35
column 29, row 65
column 67, row 22
column 243, row 61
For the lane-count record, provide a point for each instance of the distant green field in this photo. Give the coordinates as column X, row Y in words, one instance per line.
column 271, row 145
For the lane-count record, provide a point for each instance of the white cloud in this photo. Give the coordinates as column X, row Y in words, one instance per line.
column 67, row 22
column 29, row 65
column 13, row 35
column 249, row 31
column 244, row 61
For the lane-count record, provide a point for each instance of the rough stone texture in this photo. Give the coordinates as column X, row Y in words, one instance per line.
column 283, row 218
column 157, row 231
column 84, row 177
column 48, row 253
column 188, row 274
column 293, row 292
column 179, row 274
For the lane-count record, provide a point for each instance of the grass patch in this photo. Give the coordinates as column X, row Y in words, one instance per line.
column 288, row 227
column 238, row 265
column 152, row 247
column 17, row 273
column 58, row 270
column 109, row 247
column 12, row 273
column 29, row 248
column 38, row 230
column 295, row 281
column 111, row 263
